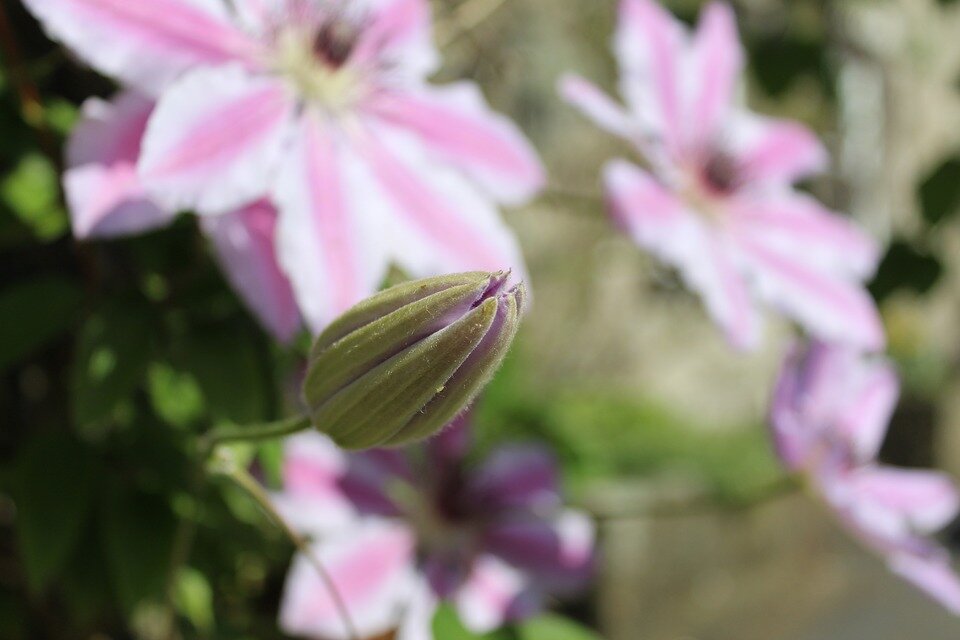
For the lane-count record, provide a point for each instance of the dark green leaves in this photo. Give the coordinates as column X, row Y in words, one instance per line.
column 905, row 267
column 553, row 627
column 35, row 312
column 939, row 192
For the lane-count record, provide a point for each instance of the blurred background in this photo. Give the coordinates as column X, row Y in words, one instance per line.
column 113, row 354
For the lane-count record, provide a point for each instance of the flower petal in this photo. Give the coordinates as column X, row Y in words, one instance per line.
column 798, row 225
column 494, row 594
column 867, row 410
column 245, row 242
column 146, row 44
column 102, row 189
column 557, row 552
column 397, row 33
column 650, row 47
column 456, row 124
column 717, row 60
column 437, row 221
column 596, row 105
column 331, row 244
column 516, row 477
column 774, row 151
column 215, row 140
column 313, row 500
column 927, row 501
column 826, row 305
column 372, row 569
column 658, row 221
column 418, row 615
column 932, row 575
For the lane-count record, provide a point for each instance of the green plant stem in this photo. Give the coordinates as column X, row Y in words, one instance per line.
column 252, row 433
column 226, row 466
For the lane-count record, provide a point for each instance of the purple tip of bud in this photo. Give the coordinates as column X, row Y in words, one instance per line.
column 498, row 281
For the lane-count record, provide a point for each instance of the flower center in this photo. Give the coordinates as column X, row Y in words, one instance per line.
column 315, row 59
column 709, row 181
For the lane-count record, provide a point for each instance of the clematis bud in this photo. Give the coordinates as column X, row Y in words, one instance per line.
column 402, row 364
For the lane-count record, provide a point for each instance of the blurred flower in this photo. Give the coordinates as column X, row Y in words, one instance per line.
column 829, row 416
column 106, row 199
column 399, row 530
column 402, row 364
column 322, row 107
column 719, row 205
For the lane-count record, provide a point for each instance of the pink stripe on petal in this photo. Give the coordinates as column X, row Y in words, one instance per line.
column 932, row 575
column 826, row 305
column 215, row 139
column 867, row 411
column 775, row 151
column 494, row 593
column 927, row 500
column 719, row 61
column 245, row 243
column 147, row 44
column 397, row 33
column 455, row 123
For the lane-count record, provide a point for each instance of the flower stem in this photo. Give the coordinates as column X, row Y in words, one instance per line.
column 252, row 433
column 225, row 465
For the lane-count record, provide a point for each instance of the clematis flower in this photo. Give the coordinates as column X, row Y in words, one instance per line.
column 322, row 107
column 400, row 530
column 106, row 199
column 717, row 202
column 829, row 416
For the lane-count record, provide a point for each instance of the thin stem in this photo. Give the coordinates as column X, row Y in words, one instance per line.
column 467, row 17
column 782, row 486
column 226, row 466
column 252, row 433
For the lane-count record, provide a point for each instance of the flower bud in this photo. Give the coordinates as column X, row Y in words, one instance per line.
column 402, row 364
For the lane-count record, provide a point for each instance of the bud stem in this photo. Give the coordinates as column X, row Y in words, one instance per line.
column 226, row 466
column 253, row 433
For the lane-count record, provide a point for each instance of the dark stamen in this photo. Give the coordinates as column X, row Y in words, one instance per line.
column 335, row 42
column 721, row 173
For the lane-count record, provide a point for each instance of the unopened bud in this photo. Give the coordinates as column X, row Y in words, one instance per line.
column 399, row 366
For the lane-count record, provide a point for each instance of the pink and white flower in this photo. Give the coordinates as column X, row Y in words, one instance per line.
column 400, row 530
column 718, row 202
column 322, row 107
column 829, row 416
column 106, row 199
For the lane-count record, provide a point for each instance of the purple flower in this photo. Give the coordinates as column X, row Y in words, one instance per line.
column 718, row 203
column 321, row 107
column 106, row 199
column 400, row 530
column 830, row 413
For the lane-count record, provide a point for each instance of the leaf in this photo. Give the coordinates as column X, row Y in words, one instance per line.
column 137, row 537
column 53, row 491
column 227, row 365
column 32, row 192
column 447, row 625
column 940, row 191
column 905, row 267
column 37, row 311
column 176, row 397
column 554, row 627
column 194, row 598
column 111, row 358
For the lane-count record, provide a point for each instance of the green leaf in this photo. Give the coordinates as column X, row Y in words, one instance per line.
column 176, row 397
column 194, row 598
column 940, row 191
column 112, row 354
column 905, row 267
column 39, row 311
column 227, row 364
column 137, row 537
column 553, row 627
column 447, row 626
column 32, row 192
column 53, row 491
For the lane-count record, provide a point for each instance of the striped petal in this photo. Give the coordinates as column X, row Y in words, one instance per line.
column 215, row 139
column 867, row 408
column 331, row 243
column 245, row 245
column 771, row 151
column 596, row 105
column 798, row 225
column 397, row 34
column 372, row 569
column 926, row 501
column 659, row 222
column 457, row 126
column 826, row 305
column 717, row 61
column 437, row 222
column 102, row 189
column 516, row 477
column 146, row 44
column 933, row 575
column 493, row 594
